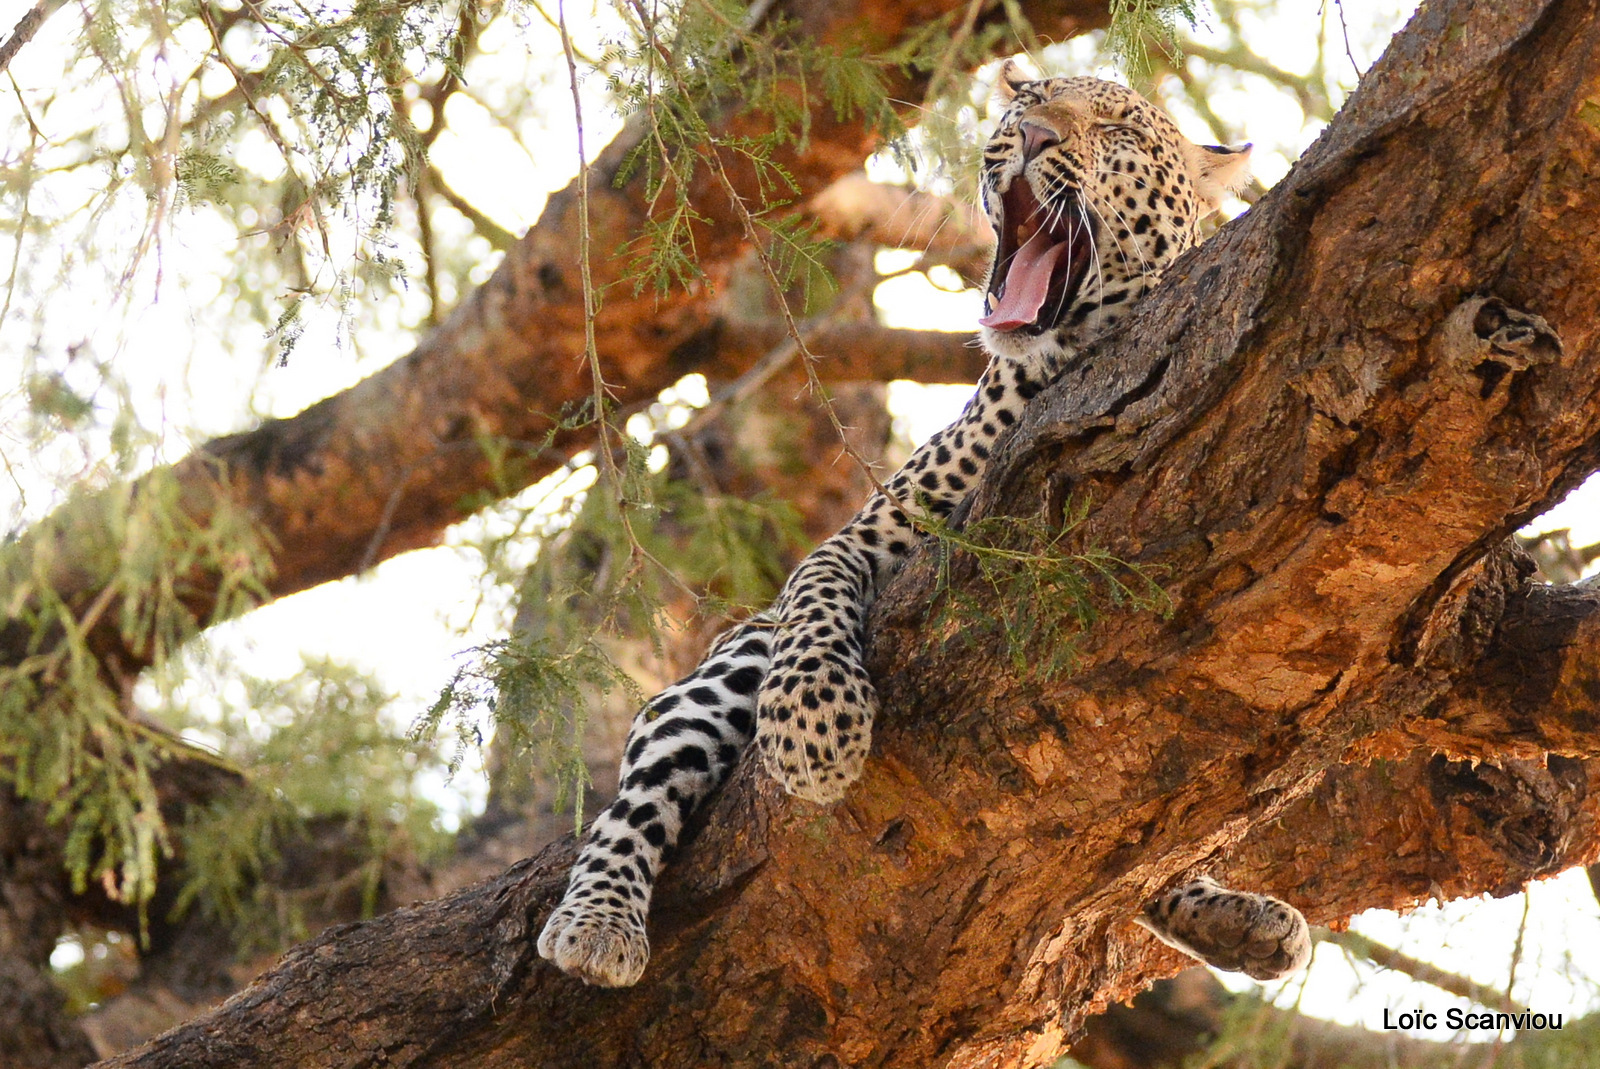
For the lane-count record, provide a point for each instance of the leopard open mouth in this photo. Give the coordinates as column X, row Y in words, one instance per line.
column 1040, row 262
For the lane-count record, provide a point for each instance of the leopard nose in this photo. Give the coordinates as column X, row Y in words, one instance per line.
column 1036, row 137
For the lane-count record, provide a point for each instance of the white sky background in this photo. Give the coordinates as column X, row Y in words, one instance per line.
column 409, row 619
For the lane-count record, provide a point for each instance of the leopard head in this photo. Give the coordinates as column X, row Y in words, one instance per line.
column 1092, row 192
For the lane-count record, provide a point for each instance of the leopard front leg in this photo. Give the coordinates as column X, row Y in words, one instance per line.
column 817, row 704
column 680, row 749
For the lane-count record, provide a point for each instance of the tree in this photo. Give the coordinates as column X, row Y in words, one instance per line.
column 1395, row 340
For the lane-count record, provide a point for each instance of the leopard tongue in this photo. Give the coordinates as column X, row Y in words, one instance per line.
column 1027, row 283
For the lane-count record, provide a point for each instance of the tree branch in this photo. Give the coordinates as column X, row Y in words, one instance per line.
column 498, row 237
column 1175, row 1022
column 26, row 27
column 1533, row 690
column 505, row 366
column 1292, row 435
column 1386, row 957
column 944, row 230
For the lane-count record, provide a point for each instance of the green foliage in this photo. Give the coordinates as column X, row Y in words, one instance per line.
column 51, row 397
column 204, row 176
column 734, row 550
column 66, row 738
column 290, row 120
column 609, row 573
column 684, row 66
column 1013, row 579
column 341, row 69
column 1136, row 24
column 537, row 692
column 944, row 149
column 330, row 783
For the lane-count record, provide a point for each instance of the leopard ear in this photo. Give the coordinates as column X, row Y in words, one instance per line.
column 1011, row 79
column 1217, row 171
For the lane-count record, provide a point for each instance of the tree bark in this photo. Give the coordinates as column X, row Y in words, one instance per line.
column 33, row 909
column 403, row 452
column 1318, row 433
column 758, row 445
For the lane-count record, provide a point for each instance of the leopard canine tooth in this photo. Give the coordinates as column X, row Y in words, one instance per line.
column 1027, row 283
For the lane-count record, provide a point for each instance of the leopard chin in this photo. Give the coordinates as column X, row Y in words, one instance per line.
column 1041, row 260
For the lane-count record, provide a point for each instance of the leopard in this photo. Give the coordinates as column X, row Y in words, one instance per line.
column 1092, row 192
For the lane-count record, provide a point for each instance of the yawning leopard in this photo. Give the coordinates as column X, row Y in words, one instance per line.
column 1092, row 193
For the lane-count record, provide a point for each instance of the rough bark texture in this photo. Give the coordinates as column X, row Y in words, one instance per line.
column 402, row 453
column 190, row 963
column 761, row 447
column 1319, row 434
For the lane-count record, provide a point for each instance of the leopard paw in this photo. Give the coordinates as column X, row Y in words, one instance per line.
column 599, row 947
column 1254, row 934
column 814, row 727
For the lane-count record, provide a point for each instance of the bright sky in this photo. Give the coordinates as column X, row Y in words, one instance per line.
column 410, row 618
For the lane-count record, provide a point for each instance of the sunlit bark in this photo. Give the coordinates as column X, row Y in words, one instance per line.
column 1318, row 434
column 404, row 452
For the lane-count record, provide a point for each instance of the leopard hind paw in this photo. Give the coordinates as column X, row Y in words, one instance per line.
column 1260, row 936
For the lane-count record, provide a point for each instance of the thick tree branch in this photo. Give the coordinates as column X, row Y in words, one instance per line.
column 1533, row 691
column 1317, row 434
column 401, row 451
column 457, row 982
column 863, row 352
column 943, row 229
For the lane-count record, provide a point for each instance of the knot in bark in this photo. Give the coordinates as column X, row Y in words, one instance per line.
column 1491, row 340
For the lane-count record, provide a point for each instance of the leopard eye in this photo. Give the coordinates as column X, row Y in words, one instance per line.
column 1115, row 124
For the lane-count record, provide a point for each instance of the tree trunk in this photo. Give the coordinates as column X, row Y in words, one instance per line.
column 1318, row 434
column 408, row 451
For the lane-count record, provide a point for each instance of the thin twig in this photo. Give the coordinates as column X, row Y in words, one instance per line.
column 386, row 517
column 297, row 50
column 590, row 304
column 1516, row 949
column 270, row 128
column 602, row 390
column 709, row 153
column 958, row 40
column 430, row 252
column 808, row 359
column 1345, row 29
column 26, row 190
column 1389, row 958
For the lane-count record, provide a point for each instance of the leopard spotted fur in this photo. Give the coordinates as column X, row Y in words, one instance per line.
column 1092, row 192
